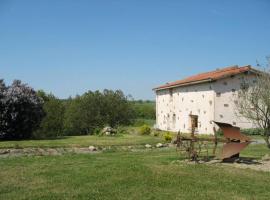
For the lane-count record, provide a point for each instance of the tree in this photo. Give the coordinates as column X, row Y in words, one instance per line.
column 52, row 124
column 116, row 108
column 254, row 102
column 21, row 110
column 94, row 110
column 3, row 89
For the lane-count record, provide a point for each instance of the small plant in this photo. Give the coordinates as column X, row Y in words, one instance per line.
column 145, row 130
column 121, row 130
column 168, row 137
column 97, row 131
column 156, row 133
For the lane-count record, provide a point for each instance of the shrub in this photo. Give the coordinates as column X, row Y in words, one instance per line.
column 156, row 133
column 97, row 131
column 121, row 130
column 168, row 137
column 145, row 130
column 252, row 131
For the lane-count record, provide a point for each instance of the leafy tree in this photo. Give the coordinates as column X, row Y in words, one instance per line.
column 116, row 108
column 52, row 123
column 254, row 103
column 3, row 89
column 95, row 109
column 21, row 110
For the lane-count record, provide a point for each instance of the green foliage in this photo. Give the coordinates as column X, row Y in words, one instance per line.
column 253, row 131
column 145, row 109
column 20, row 110
column 141, row 122
column 168, row 137
column 95, row 110
column 156, row 133
column 145, row 130
column 52, row 124
column 97, row 131
column 121, row 130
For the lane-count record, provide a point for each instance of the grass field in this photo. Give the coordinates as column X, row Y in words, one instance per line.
column 145, row 174
column 127, row 175
column 84, row 141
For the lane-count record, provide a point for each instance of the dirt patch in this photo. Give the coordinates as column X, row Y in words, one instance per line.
column 243, row 163
column 44, row 151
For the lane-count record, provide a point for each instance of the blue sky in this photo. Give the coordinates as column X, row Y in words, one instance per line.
column 68, row 47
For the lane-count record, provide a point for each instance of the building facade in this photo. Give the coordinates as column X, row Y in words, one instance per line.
column 197, row 101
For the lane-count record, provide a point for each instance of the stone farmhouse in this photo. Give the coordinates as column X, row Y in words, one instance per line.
column 195, row 102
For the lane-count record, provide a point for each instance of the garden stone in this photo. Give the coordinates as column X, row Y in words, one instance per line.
column 108, row 131
column 159, row 145
column 148, row 146
column 92, row 148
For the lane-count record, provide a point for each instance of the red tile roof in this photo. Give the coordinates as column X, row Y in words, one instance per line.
column 207, row 77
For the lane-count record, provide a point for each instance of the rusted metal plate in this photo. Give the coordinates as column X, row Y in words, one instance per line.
column 232, row 148
column 232, row 132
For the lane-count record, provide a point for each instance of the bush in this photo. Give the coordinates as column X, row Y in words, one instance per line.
column 145, row 130
column 156, row 133
column 252, row 131
column 168, row 137
column 121, row 130
column 97, row 131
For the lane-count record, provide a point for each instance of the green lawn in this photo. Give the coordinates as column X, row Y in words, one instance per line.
column 149, row 174
column 85, row 141
column 128, row 175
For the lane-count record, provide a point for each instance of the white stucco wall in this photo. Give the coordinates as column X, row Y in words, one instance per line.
column 225, row 96
column 173, row 112
column 209, row 101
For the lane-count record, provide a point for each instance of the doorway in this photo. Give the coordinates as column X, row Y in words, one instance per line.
column 194, row 122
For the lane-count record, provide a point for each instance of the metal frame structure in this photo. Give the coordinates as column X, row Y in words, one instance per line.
column 233, row 143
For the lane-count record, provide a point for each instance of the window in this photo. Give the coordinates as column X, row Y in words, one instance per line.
column 221, row 116
column 174, row 120
column 234, row 123
column 226, row 105
column 225, row 83
column 210, row 102
column 218, row 94
column 233, row 90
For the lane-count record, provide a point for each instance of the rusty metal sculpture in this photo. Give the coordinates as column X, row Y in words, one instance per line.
column 234, row 142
